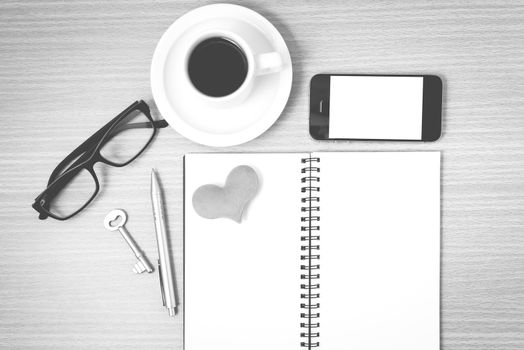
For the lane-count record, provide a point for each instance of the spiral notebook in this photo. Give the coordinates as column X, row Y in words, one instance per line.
column 336, row 251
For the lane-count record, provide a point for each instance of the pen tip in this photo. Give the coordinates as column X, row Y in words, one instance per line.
column 154, row 180
column 153, row 174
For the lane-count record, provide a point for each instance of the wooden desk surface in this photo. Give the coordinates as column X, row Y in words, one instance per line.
column 67, row 67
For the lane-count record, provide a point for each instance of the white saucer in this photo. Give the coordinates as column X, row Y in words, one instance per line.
column 181, row 106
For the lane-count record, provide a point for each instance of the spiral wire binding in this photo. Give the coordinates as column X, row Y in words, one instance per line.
column 310, row 248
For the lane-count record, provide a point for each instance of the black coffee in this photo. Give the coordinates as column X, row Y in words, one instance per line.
column 217, row 67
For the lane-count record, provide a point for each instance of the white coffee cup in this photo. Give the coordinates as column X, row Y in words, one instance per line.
column 258, row 63
column 249, row 106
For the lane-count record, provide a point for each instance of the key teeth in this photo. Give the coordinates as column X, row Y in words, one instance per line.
column 145, row 263
column 139, row 267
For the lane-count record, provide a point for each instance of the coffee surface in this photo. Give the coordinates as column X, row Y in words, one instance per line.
column 217, row 67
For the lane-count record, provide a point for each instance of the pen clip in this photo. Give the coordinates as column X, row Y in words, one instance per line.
column 162, row 292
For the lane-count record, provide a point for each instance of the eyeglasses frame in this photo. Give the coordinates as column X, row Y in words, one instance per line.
column 88, row 154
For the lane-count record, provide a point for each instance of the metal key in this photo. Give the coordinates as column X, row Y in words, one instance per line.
column 115, row 220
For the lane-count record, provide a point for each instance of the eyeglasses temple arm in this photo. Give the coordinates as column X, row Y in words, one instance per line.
column 93, row 140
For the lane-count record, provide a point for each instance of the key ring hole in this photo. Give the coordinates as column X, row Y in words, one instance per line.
column 115, row 221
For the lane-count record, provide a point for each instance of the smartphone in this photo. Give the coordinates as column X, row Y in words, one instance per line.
column 375, row 107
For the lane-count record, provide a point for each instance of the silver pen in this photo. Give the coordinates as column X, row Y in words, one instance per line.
column 167, row 282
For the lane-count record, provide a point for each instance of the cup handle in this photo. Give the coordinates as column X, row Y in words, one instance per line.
column 267, row 63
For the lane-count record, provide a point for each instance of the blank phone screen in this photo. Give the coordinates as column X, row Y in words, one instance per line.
column 375, row 107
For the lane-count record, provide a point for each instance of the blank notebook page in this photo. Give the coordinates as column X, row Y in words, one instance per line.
column 380, row 250
column 242, row 281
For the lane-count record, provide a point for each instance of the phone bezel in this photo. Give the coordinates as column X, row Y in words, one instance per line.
column 431, row 107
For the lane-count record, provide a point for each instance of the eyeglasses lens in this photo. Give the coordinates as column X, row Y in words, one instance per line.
column 75, row 190
column 128, row 138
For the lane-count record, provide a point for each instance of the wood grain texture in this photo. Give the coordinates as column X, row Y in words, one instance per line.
column 67, row 67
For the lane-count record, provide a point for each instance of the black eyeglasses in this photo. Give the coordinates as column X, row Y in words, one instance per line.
column 74, row 184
